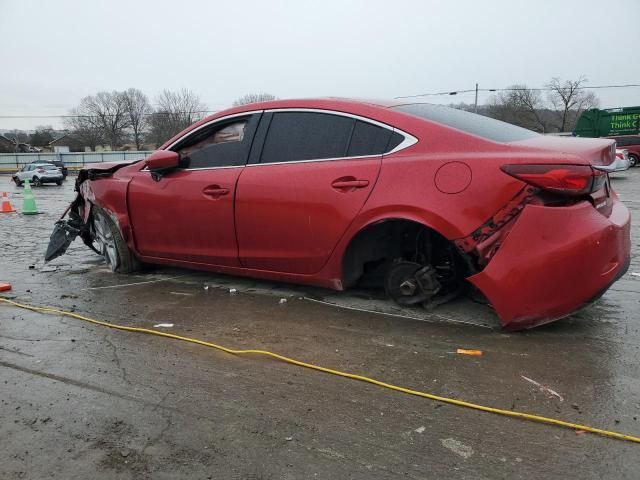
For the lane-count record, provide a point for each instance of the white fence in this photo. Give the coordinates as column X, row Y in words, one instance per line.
column 14, row 161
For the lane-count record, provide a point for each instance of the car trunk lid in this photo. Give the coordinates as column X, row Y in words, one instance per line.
column 574, row 153
column 585, row 151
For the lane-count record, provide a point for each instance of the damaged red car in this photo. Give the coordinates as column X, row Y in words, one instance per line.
column 422, row 200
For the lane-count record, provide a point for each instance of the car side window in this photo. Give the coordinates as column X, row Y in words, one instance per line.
column 215, row 146
column 299, row 136
column 368, row 139
column 296, row 136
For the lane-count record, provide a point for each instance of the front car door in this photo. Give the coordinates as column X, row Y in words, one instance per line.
column 301, row 191
column 188, row 214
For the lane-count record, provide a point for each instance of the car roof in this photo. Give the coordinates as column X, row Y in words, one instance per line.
column 347, row 105
column 319, row 102
column 329, row 103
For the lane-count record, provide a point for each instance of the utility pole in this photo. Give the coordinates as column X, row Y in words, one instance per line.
column 475, row 105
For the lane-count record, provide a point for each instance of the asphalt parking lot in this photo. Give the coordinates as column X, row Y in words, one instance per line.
column 80, row 401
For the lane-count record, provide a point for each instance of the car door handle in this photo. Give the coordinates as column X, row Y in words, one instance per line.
column 215, row 191
column 341, row 184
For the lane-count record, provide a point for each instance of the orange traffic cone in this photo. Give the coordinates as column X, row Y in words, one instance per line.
column 6, row 204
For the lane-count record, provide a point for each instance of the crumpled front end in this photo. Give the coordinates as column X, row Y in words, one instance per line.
column 66, row 231
column 554, row 260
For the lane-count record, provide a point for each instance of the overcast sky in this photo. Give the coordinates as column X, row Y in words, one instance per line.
column 56, row 52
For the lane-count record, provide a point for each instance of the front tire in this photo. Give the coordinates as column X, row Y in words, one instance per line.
column 58, row 182
column 633, row 160
column 36, row 181
column 17, row 181
column 110, row 244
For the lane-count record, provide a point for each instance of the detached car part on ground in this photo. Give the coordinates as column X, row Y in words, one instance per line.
column 421, row 200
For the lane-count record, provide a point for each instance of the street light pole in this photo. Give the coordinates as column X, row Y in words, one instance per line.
column 475, row 105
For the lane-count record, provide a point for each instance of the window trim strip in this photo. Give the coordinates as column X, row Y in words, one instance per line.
column 408, row 141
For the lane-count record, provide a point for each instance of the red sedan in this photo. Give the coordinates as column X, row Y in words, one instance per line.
column 424, row 201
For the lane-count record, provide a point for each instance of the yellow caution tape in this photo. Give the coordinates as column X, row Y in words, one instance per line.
column 353, row 376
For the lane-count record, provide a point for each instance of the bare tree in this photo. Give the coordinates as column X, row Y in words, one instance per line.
column 520, row 105
column 508, row 105
column 253, row 98
column 531, row 104
column 106, row 112
column 569, row 99
column 84, row 128
column 42, row 136
column 175, row 111
column 138, row 111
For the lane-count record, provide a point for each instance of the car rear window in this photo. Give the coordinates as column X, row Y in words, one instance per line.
column 468, row 122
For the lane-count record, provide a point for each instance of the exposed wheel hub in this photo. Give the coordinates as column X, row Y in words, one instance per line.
column 409, row 283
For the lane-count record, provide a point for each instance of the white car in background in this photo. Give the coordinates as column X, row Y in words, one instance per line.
column 622, row 161
column 39, row 174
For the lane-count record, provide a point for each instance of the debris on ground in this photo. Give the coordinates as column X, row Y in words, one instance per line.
column 464, row 351
column 544, row 388
column 233, row 290
column 4, row 287
column 282, row 300
column 457, row 447
column 163, row 325
column 420, row 429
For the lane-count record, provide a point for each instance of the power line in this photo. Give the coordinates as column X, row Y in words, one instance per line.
column 431, row 94
column 507, row 89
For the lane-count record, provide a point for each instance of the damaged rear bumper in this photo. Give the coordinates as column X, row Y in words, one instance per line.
column 555, row 260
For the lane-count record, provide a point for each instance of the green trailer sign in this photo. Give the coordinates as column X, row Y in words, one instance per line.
column 612, row 121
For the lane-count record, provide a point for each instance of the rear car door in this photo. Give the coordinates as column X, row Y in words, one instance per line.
column 26, row 172
column 309, row 177
column 188, row 214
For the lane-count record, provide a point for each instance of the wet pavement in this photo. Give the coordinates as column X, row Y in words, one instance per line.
column 79, row 401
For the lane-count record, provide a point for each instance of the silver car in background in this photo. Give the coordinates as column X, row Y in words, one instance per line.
column 39, row 174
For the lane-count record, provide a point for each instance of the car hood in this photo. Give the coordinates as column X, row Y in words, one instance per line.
column 104, row 169
column 109, row 166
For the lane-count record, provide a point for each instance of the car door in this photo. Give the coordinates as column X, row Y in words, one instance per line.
column 188, row 213
column 25, row 172
column 300, row 192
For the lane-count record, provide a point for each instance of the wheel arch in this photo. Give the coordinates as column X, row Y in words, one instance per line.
column 366, row 240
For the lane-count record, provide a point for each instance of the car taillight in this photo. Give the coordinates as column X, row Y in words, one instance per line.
column 574, row 180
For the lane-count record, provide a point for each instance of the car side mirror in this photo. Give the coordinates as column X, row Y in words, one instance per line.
column 161, row 161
